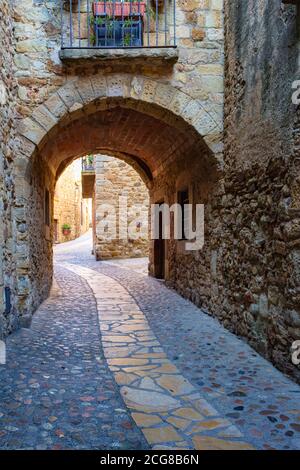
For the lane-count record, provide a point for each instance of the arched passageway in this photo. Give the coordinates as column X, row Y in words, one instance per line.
column 153, row 127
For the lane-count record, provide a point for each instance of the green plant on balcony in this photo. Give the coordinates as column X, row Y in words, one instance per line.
column 90, row 160
column 110, row 21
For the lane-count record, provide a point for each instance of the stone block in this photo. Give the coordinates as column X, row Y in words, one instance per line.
column 70, row 95
column 217, row 5
column 212, row 83
column 32, row 130
column 137, row 84
column 118, row 86
column 81, row 28
column 99, row 85
column 190, row 5
column 263, row 306
column 56, row 106
column 152, row 40
column 210, row 69
column 85, row 90
column 164, row 95
column 179, row 102
column 31, row 45
column 198, row 34
column 205, row 124
column 292, row 230
column 191, row 111
column 43, row 116
column 149, row 90
column 213, row 19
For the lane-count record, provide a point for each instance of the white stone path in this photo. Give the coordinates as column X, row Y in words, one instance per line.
column 166, row 406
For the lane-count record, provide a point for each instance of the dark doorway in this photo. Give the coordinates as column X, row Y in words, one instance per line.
column 55, row 230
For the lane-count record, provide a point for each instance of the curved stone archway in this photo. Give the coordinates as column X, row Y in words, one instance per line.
column 159, row 130
column 85, row 96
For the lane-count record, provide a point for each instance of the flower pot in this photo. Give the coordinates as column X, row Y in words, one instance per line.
column 118, row 33
column 66, row 232
column 119, row 8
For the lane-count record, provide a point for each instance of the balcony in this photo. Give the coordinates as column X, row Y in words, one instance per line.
column 88, row 176
column 110, row 29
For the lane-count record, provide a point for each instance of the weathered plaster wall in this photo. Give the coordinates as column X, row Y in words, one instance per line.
column 8, row 279
column 118, row 185
column 69, row 206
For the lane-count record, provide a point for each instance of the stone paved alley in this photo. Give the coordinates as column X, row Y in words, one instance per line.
column 115, row 360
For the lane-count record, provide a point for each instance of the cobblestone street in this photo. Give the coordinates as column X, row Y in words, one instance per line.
column 115, row 360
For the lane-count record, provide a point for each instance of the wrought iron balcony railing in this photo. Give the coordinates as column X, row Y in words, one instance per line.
column 117, row 24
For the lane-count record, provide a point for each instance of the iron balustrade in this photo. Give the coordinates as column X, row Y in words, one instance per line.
column 117, row 24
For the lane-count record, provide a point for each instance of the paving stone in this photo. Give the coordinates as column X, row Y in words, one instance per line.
column 212, row 443
column 147, row 400
column 209, row 425
column 205, row 408
column 176, row 384
column 148, row 383
column 188, row 413
column 124, row 379
column 143, row 420
column 119, row 339
column 163, row 434
column 178, row 422
column 129, row 361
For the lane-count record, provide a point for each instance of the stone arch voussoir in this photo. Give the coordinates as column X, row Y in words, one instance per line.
column 85, row 95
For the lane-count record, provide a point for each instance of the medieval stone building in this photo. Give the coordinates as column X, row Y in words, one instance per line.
column 208, row 118
column 72, row 214
column 118, row 186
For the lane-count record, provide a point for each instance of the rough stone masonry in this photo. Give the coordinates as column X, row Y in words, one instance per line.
column 119, row 187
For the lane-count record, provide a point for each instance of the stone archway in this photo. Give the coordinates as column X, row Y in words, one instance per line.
column 161, row 131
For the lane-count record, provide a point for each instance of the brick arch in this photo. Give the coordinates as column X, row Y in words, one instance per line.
column 85, row 96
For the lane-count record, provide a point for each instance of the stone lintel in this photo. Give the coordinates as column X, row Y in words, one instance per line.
column 152, row 55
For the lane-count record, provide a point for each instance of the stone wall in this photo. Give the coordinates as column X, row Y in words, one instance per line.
column 199, row 70
column 8, row 275
column 69, row 206
column 257, row 261
column 118, row 185
column 191, row 91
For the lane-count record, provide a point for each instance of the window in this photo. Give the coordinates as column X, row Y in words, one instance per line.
column 183, row 201
column 47, row 208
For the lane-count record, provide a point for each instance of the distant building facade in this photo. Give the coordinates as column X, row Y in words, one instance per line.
column 72, row 213
column 119, row 186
